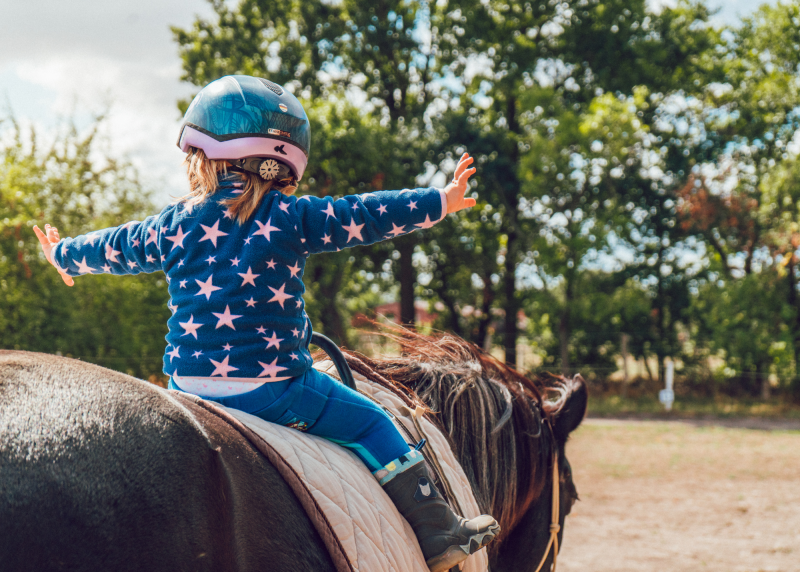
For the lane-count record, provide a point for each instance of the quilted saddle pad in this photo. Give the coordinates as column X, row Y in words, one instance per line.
column 372, row 533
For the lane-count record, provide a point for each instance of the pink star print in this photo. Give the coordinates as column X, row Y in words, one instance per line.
column 326, row 239
column 227, row 347
column 261, row 330
column 274, row 340
column 251, row 303
column 294, row 270
column 412, row 205
column 353, row 230
column 397, row 230
column 177, row 240
column 271, row 264
column 226, row 318
column 212, row 233
column 265, row 229
column 235, row 261
column 382, row 209
column 106, row 268
column 174, row 353
column 284, row 207
column 83, row 268
column 90, row 238
column 111, row 254
column 329, row 211
column 222, row 368
column 249, row 277
column 280, row 296
column 191, row 327
column 150, row 258
column 270, row 370
column 427, row 223
column 206, row 288
column 132, row 264
column 135, row 242
column 152, row 236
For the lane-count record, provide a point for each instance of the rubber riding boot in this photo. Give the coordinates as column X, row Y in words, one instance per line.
column 445, row 538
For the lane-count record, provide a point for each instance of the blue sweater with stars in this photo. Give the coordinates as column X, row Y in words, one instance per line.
column 237, row 289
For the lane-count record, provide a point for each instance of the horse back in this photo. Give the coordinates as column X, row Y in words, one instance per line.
column 99, row 470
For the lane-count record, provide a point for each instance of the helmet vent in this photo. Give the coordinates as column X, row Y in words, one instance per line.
column 272, row 86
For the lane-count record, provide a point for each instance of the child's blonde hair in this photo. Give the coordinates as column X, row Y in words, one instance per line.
column 203, row 181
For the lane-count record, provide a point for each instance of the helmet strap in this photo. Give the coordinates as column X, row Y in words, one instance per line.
column 267, row 168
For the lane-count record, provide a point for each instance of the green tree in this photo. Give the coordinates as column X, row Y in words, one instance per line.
column 116, row 322
column 387, row 54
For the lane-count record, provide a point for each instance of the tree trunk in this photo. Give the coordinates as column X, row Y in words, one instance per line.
column 408, row 279
column 510, row 288
column 765, row 388
column 563, row 336
column 792, row 299
column 624, row 345
column 647, row 367
column 660, row 321
column 486, row 313
column 512, row 248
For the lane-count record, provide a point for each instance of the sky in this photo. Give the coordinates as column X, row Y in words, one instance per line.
column 75, row 58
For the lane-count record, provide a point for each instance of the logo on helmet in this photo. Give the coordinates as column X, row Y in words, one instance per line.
column 279, row 149
column 269, row 169
column 283, row 107
column 279, row 132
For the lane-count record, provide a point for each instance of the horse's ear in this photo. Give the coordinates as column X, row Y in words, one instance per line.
column 573, row 411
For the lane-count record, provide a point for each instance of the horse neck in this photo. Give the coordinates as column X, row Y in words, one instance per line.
column 493, row 439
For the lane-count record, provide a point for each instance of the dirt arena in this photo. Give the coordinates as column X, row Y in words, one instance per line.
column 675, row 496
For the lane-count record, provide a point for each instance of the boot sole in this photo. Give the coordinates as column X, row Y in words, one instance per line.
column 458, row 553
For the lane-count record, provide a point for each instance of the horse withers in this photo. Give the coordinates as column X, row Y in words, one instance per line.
column 99, row 470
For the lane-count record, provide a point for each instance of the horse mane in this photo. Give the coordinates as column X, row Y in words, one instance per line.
column 491, row 412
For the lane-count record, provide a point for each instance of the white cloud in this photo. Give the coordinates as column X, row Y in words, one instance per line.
column 84, row 57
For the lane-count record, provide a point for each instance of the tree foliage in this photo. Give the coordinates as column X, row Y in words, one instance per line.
column 637, row 178
column 119, row 323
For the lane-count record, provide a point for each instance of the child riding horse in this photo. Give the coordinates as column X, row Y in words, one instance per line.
column 233, row 251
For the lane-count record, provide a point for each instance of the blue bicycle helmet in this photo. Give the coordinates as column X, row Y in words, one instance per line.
column 252, row 122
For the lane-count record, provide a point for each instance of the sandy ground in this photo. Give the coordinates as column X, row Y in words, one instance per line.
column 670, row 496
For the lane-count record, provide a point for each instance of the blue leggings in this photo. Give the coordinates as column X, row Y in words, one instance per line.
column 317, row 403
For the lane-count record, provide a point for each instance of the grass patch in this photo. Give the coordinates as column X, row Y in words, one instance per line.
column 691, row 407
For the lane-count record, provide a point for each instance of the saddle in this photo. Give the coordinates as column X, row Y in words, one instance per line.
column 359, row 524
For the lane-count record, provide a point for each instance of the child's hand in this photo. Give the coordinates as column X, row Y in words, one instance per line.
column 459, row 185
column 48, row 241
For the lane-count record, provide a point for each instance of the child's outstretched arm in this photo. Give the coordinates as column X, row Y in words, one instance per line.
column 328, row 225
column 128, row 249
column 457, row 188
column 48, row 242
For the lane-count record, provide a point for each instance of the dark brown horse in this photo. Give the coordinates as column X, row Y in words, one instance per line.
column 101, row 471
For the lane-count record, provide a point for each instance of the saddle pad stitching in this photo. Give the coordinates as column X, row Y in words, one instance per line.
column 430, row 456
